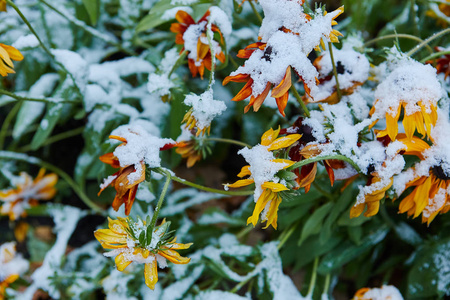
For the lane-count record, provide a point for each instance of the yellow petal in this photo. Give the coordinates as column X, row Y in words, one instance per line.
column 245, row 171
column 260, row 204
column 173, row 256
column 121, row 262
column 269, row 136
column 287, row 162
column 422, row 195
column 274, row 187
column 284, row 142
column 151, row 274
column 240, row 183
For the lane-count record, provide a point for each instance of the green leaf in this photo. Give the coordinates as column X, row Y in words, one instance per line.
column 153, row 19
column 314, row 222
column 47, row 125
column 347, row 251
column 29, row 112
column 341, row 204
column 430, row 274
column 142, row 239
column 312, row 248
column 92, row 7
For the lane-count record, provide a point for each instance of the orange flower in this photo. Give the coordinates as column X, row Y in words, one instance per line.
column 7, row 55
column 372, row 199
column 189, row 149
column 199, row 54
column 135, row 242
column 431, row 194
column 27, row 193
column 126, row 190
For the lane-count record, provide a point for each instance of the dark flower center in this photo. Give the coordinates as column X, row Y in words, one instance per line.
column 440, row 173
column 340, row 68
column 267, row 53
column 306, row 132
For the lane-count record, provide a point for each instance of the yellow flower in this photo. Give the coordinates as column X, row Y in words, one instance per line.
column 372, row 200
column 27, row 193
column 11, row 266
column 7, row 55
column 267, row 191
column 333, row 36
column 191, row 123
column 2, row 5
column 189, row 150
column 132, row 241
column 431, row 192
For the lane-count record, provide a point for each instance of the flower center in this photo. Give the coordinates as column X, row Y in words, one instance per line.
column 440, row 173
column 267, row 53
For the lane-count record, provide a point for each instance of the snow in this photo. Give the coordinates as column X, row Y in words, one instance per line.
column 386, row 292
column 11, row 263
column 218, row 17
column 26, row 41
column 170, row 13
column 74, row 64
column 140, row 147
column 205, row 108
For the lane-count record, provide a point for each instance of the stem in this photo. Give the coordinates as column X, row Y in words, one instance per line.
column 338, row 90
column 213, row 55
column 300, row 101
column 12, row 113
column 397, row 35
column 43, row 46
column 45, row 100
column 427, row 41
column 313, row 277
column 180, row 58
column 229, row 141
column 240, row 285
column 161, row 200
column 56, row 138
column 255, row 11
column 244, row 232
column 434, row 55
column 287, row 234
column 326, row 284
column 322, row 191
column 325, row 157
column 203, row 188
column 36, row 161
column 89, row 29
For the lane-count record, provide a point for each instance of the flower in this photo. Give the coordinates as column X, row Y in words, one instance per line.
column 262, row 170
column 413, row 87
column 2, row 5
column 138, row 150
column 386, row 292
column 126, row 189
column 132, row 241
column 27, row 193
column 7, row 55
column 193, row 37
column 193, row 150
column 11, row 266
column 442, row 63
column 440, row 12
column 431, row 193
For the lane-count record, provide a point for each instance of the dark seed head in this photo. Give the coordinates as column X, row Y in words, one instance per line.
column 306, row 132
column 440, row 173
column 340, row 67
column 370, row 168
column 267, row 53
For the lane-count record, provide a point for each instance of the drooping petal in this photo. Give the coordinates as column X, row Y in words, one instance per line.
column 241, row 183
column 245, row 171
column 151, row 274
column 121, row 262
column 274, row 187
column 284, row 142
column 173, row 256
column 284, row 86
column 266, row 195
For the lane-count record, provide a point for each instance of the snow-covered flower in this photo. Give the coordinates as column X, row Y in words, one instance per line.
column 192, row 35
column 138, row 149
column 12, row 265
column 7, row 55
column 27, row 193
column 386, row 292
column 137, row 242
column 413, row 87
column 262, row 171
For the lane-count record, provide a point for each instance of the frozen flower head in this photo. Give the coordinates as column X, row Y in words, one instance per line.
column 12, row 265
column 7, row 55
column 191, row 147
column 430, row 180
column 137, row 150
column 287, row 36
column 203, row 110
column 263, row 171
column 27, row 193
column 413, row 87
column 192, row 35
column 386, row 292
column 136, row 241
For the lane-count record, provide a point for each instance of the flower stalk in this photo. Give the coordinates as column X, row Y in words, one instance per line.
column 338, row 90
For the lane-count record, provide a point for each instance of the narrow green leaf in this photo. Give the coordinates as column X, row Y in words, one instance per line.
column 314, row 223
column 47, row 125
column 92, row 7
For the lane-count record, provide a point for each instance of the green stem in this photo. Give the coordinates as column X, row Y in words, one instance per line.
column 338, row 90
column 235, row 64
column 204, row 188
column 427, row 41
column 56, row 138
column 45, row 100
column 161, row 200
column 43, row 46
column 326, row 285
column 213, row 55
column 255, row 11
column 179, row 59
column 394, row 36
column 325, row 157
column 229, row 141
column 244, row 232
column 36, row 161
column 89, row 29
column 12, row 113
column 287, row 234
column 240, row 285
column 313, row 277
column 322, row 191
column 434, row 55
column 300, row 101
